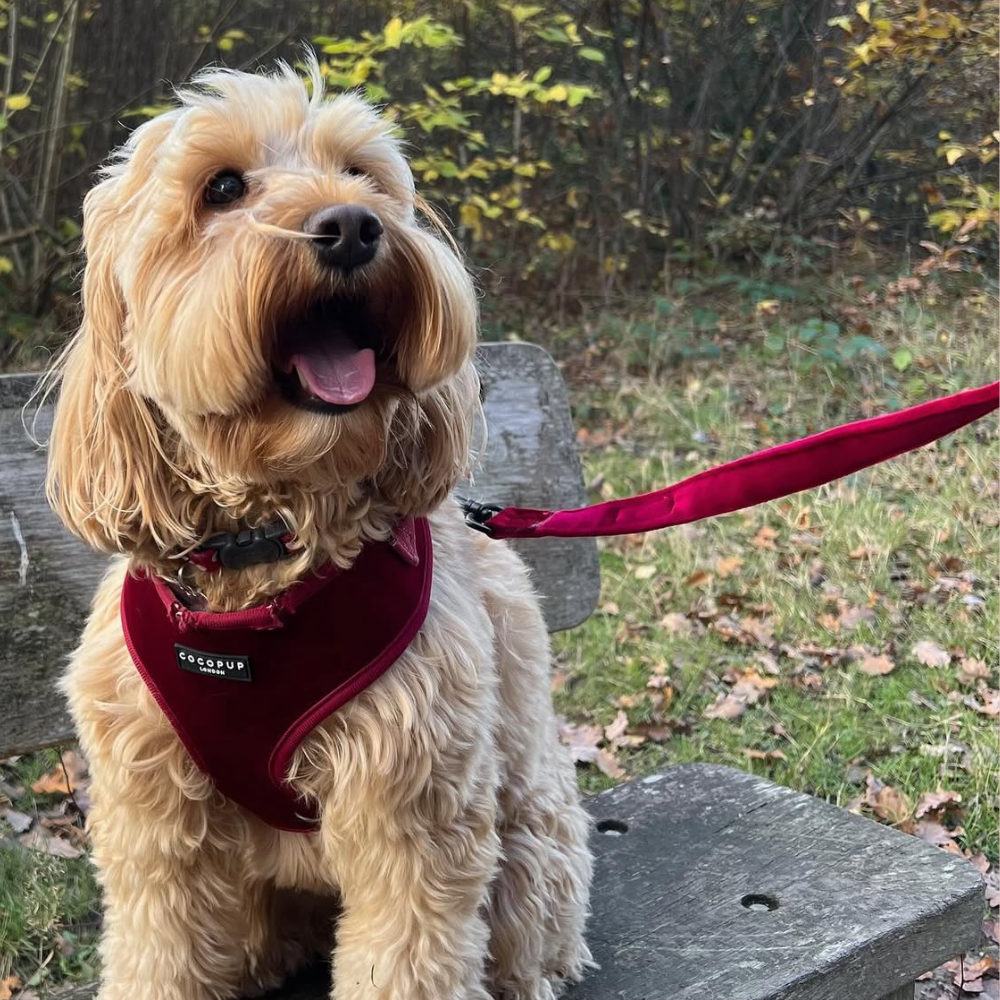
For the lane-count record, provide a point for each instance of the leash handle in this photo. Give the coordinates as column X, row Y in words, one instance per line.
column 753, row 479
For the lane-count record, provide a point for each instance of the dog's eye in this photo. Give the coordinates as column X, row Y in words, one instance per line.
column 225, row 188
column 354, row 171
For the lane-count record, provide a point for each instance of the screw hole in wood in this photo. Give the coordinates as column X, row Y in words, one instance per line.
column 612, row 827
column 754, row 901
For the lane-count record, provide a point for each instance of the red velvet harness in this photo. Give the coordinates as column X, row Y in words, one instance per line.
column 242, row 689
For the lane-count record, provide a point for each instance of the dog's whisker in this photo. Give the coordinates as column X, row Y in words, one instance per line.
column 272, row 230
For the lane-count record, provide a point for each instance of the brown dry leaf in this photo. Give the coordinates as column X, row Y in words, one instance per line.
column 748, row 690
column 676, row 624
column 616, row 728
column 975, row 969
column 726, row 567
column 863, row 552
column 759, row 630
column 646, row 572
column 766, row 755
column 851, row 617
column 608, row 765
column 930, row 654
column 933, row 833
column 991, row 703
column 765, row 538
column 931, row 802
column 991, row 928
column 582, row 741
column 888, row 803
column 43, row 842
column 54, row 783
column 19, row 822
column 830, row 622
column 970, row 670
column 700, row 579
column 876, row 666
column 610, row 608
column 658, row 734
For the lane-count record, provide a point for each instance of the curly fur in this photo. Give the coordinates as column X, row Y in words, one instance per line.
column 451, row 860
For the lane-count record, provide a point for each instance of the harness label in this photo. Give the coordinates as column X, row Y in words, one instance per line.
column 229, row 666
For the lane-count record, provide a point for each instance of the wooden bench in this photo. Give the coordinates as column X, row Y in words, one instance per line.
column 710, row 883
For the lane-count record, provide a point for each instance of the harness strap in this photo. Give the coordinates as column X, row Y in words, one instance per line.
column 764, row 475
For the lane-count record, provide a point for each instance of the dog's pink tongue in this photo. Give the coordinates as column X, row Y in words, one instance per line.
column 335, row 370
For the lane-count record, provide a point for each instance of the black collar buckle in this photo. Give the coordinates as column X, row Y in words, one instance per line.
column 240, row 549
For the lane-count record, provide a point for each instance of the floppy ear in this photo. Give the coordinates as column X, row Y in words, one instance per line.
column 108, row 477
column 439, row 325
column 430, row 445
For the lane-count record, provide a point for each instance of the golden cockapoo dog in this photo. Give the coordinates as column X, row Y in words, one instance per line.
column 451, row 846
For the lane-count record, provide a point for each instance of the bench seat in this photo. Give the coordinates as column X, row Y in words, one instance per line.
column 712, row 884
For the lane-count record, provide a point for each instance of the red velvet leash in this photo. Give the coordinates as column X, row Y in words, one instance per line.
column 764, row 475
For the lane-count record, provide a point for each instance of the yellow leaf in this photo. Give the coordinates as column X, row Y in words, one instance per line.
column 18, row 102
column 864, row 10
column 953, row 154
column 394, row 33
column 6, row 265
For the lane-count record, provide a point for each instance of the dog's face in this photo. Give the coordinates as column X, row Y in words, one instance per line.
column 262, row 306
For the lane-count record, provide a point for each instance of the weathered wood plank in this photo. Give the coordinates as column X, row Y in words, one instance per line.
column 684, row 893
column 531, row 460
column 861, row 910
column 47, row 577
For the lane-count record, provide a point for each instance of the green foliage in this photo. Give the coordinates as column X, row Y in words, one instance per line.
column 580, row 151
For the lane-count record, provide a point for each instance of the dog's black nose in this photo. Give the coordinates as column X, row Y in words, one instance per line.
column 345, row 236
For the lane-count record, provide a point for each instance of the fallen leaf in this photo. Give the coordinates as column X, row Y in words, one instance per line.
column 700, row 579
column 876, row 666
column 970, row 670
column 726, row 567
column 765, row 538
column 991, row 928
column 829, row 622
column 930, row 654
column 582, row 741
column 7, row 987
column 766, row 755
column 608, row 765
column 934, row 801
column 933, row 833
column 56, row 782
column 616, row 728
column 887, row 803
column 658, row 734
column 991, row 703
column 17, row 821
column 44, row 843
column 610, row 608
column 851, row 617
column 677, row 624
column 863, row 552
column 748, row 690
column 644, row 572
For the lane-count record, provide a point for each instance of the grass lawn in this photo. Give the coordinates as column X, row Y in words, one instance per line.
column 744, row 640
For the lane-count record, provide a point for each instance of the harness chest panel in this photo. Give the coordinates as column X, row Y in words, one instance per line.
column 242, row 689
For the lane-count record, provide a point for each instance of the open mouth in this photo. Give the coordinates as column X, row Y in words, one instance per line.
column 326, row 358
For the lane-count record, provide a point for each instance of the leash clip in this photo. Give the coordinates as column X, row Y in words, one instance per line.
column 478, row 513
